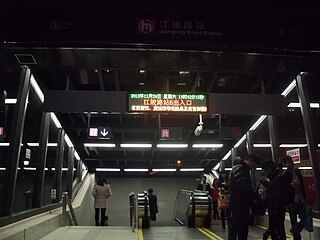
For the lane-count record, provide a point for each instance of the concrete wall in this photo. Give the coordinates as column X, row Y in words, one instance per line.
column 165, row 188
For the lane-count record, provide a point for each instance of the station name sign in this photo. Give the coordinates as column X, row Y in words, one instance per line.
column 167, row 102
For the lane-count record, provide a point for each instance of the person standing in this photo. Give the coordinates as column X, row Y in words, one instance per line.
column 214, row 196
column 153, row 205
column 101, row 192
column 203, row 185
column 241, row 195
column 296, row 197
column 224, row 192
column 274, row 195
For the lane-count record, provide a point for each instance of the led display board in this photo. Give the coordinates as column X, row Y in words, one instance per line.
column 167, row 102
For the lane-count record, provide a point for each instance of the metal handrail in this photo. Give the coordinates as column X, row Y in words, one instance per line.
column 133, row 211
column 71, row 215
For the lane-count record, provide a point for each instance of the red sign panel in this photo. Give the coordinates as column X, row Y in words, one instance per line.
column 165, row 133
column 295, row 155
column 1, row 131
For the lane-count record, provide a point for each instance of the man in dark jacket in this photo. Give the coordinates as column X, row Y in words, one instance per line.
column 241, row 195
column 275, row 199
column 296, row 197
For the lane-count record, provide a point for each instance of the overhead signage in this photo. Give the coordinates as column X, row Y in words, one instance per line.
column 167, row 102
column 295, row 155
column 28, row 153
column 171, row 133
column 100, row 132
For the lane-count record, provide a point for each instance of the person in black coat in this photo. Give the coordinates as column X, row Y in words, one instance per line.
column 203, row 185
column 153, row 205
column 275, row 198
column 296, row 197
column 241, row 196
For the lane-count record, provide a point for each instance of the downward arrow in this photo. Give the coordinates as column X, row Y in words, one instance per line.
column 104, row 133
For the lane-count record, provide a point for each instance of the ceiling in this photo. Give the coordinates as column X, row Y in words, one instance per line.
column 164, row 66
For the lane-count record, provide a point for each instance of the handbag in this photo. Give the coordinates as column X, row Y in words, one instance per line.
column 223, row 201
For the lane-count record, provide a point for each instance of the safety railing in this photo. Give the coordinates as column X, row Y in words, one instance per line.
column 133, row 211
column 68, row 215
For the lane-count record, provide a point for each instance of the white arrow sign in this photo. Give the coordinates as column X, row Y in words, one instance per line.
column 104, row 132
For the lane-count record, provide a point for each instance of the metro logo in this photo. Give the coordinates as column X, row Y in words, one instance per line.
column 146, row 26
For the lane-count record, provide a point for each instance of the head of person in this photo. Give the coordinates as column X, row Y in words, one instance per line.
column 237, row 160
column 223, row 176
column 269, row 167
column 215, row 182
column 279, row 168
column 101, row 181
column 287, row 162
column 203, row 179
column 150, row 191
column 252, row 160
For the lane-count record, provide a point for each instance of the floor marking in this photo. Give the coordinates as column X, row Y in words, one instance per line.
column 265, row 228
column 212, row 234
column 207, row 234
column 140, row 234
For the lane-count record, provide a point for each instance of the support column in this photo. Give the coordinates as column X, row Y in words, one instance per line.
column 79, row 171
column 250, row 151
column 309, row 129
column 70, row 171
column 42, row 159
column 249, row 142
column 233, row 155
column 274, row 138
column 58, row 165
column 15, row 140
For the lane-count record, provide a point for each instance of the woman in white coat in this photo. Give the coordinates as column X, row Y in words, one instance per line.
column 101, row 192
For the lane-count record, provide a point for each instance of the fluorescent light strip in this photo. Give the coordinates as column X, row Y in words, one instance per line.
column 216, row 166
column 52, row 145
column 293, row 145
column 37, row 144
column 68, row 141
column 136, row 145
column 261, row 145
column 207, row 145
column 76, row 155
column 55, row 120
column 226, row 156
column 163, row 145
column 298, row 105
column 136, row 170
column 258, row 122
column 241, row 140
column 2, row 169
column 36, row 88
column 10, row 101
column 108, row 169
column 30, row 168
column 191, row 169
column 164, row 170
column 288, row 89
column 305, row 168
column 4, row 144
column 33, row 144
column 102, row 145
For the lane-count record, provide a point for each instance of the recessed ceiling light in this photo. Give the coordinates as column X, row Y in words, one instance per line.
column 181, row 84
column 164, row 170
column 136, row 169
column 142, row 71
column 191, row 169
column 183, row 72
column 108, row 169
column 141, row 83
column 102, row 145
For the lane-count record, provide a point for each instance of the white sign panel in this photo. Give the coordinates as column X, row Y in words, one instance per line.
column 295, row 155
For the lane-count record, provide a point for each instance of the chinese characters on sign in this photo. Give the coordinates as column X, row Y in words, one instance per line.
column 175, row 27
column 167, row 102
